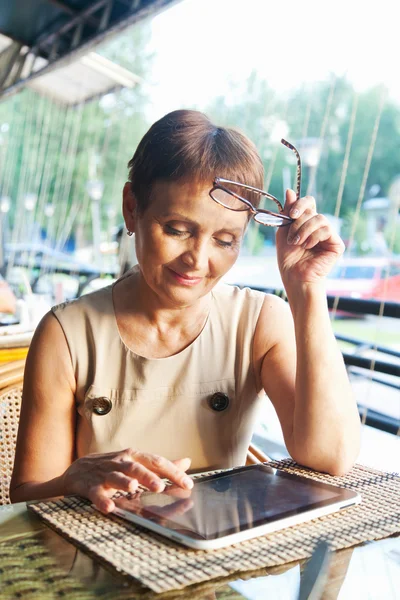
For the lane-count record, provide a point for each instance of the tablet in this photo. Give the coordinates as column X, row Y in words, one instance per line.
column 236, row 505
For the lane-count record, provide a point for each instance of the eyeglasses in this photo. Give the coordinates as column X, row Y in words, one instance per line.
column 230, row 194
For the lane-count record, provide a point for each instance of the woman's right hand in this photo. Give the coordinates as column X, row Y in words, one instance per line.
column 99, row 476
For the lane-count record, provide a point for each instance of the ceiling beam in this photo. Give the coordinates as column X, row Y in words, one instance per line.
column 78, row 18
column 71, row 10
column 134, row 11
column 63, row 6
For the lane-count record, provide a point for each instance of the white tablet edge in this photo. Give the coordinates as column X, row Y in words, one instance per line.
column 240, row 536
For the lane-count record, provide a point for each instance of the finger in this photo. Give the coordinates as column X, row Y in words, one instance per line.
column 120, row 481
column 165, row 468
column 297, row 208
column 304, row 226
column 99, row 497
column 183, row 463
column 290, row 200
column 144, row 476
column 320, row 235
column 325, row 234
column 127, row 474
column 177, row 492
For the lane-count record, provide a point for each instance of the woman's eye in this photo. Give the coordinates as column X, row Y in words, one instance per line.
column 225, row 244
column 172, row 231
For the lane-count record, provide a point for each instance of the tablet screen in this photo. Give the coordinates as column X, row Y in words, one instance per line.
column 226, row 503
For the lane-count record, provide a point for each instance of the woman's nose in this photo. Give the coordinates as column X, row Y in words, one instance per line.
column 196, row 256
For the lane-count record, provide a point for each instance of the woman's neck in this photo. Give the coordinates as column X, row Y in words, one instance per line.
column 151, row 329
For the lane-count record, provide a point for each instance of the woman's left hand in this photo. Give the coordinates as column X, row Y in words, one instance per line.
column 309, row 247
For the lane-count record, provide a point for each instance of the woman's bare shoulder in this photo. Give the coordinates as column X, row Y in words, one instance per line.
column 48, row 334
column 275, row 324
column 49, row 357
column 274, row 307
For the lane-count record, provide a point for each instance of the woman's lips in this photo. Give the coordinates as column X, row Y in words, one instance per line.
column 185, row 279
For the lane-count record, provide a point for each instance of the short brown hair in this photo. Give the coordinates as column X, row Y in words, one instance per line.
column 184, row 145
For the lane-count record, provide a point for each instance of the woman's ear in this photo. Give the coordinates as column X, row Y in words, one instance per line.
column 129, row 207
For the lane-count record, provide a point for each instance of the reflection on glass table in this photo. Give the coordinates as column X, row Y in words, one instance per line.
column 369, row 571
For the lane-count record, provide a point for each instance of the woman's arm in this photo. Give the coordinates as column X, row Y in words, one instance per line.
column 45, row 443
column 299, row 361
column 44, row 461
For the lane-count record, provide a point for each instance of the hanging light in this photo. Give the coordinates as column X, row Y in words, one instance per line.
column 310, row 151
column 49, row 210
column 5, row 204
column 95, row 188
column 30, row 202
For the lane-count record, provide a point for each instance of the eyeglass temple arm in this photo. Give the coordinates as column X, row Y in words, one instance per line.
column 218, row 181
column 298, row 168
column 219, row 185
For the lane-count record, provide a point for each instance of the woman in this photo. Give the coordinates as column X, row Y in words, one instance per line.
column 166, row 370
column 8, row 302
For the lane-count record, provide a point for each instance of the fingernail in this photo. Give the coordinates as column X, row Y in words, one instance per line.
column 107, row 507
column 157, row 486
column 294, row 213
column 187, row 482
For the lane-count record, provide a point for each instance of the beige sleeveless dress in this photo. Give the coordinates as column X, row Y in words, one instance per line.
column 167, row 405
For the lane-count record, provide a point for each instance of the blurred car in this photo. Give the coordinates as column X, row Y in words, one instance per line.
column 358, row 277
column 35, row 267
column 365, row 278
column 388, row 289
column 45, row 258
column 354, row 277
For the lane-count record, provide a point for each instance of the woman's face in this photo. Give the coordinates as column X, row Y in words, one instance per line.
column 185, row 242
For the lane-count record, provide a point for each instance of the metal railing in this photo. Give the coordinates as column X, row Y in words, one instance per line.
column 366, row 367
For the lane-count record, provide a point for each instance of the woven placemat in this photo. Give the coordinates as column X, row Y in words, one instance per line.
column 30, row 569
column 162, row 565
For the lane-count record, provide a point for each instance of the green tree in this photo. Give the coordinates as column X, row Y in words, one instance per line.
column 51, row 150
column 330, row 110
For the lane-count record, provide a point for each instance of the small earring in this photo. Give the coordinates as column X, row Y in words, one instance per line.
column 130, row 233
